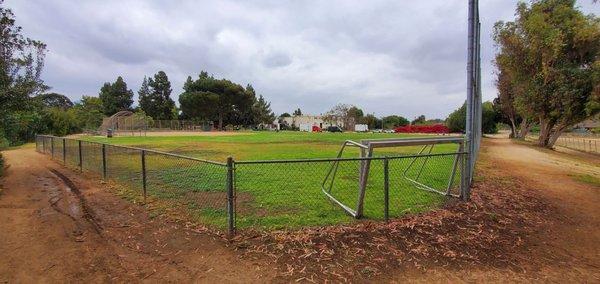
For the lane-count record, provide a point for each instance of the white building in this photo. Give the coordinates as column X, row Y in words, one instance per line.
column 312, row 120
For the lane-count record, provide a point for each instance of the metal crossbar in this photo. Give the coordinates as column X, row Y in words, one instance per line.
column 366, row 146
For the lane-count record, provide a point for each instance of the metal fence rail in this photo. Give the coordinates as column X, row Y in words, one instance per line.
column 580, row 144
column 266, row 194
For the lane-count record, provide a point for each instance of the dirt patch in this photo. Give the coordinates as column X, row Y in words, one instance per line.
column 40, row 244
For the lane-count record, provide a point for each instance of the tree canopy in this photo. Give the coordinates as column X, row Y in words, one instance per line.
column 54, row 100
column 215, row 99
column 155, row 97
column 548, row 66
column 115, row 97
column 456, row 121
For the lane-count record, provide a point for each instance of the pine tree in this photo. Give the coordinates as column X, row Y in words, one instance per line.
column 263, row 112
column 115, row 97
column 157, row 102
column 144, row 98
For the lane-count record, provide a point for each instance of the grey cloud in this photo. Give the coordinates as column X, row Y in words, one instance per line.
column 388, row 57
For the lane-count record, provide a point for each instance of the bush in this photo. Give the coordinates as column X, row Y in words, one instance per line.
column 436, row 128
column 4, row 143
column 456, row 121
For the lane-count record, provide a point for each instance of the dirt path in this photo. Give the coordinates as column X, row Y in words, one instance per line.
column 575, row 230
column 59, row 227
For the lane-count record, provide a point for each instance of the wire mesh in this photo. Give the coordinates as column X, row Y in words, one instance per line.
column 276, row 195
column 72, row 152
column 269, row 194
column 91, row 157
column 196, row 185
column 289, row 193
column 123, row 165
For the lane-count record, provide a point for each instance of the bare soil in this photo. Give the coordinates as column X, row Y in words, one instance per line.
column 528, row 220
column 59, row 226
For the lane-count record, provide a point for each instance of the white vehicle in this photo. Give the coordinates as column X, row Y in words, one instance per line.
column 361, row 128
column 307, row 127
column 389, row 131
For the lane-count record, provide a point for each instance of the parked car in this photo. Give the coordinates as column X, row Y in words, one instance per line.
column 334, row 129
column 389, row 131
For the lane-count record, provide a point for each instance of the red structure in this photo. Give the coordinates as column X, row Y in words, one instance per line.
column 436, row 128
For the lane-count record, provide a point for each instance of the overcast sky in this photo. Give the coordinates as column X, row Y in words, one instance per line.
column 387, row 57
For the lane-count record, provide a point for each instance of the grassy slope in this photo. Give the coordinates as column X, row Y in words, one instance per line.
column 276, row 195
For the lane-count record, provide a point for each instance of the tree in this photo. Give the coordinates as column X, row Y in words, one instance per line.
column 355, row 113
column 215, row 99
column 144, row 100
column 456, row 121
column 115, row 97
column 89, row 112
column 419, row 120
column 551, row 52
column 54, row 100
column 341, row 112
column 285, row 114
column 505, row 106
column 297, row 112
column 155, row 97
column 263, row 112
column 372, row 121
column 21, row 64
column 394, row 121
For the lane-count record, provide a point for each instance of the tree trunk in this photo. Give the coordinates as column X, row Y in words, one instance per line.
column 545, row 127
column 220, row 122
column 513, row 128
column 555, row 135
column 525, row 127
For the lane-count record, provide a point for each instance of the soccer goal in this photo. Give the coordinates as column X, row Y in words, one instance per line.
column 418, row 165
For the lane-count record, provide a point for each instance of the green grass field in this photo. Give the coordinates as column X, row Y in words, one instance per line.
column 277, row 195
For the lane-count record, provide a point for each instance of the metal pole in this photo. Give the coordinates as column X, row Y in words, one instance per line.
column 104, row 161
column 470, row 85
column 230, row 196
column 80, row 156
column 144, row 173
column 64, row 151
column 386, row 190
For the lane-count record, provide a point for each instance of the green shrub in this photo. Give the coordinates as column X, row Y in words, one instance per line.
column 4, row 143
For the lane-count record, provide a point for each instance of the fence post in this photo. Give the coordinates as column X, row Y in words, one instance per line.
column 80, row 156
column 52, row 147
column 104, row 161
column 464, row 185
column 64, row 151
column 43, row 145
column 230, row 196
column 144, row 173
column 386, row 190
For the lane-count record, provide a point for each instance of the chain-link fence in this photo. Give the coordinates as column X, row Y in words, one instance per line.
column 269, row 194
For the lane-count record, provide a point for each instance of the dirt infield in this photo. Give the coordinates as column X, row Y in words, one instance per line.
column 529, row 220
